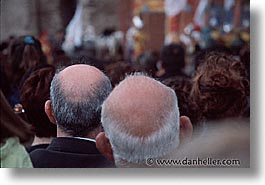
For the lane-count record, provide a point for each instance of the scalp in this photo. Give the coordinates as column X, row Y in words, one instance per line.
column 79, row 80
column 138, row 104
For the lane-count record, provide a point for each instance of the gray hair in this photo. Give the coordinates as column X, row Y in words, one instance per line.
column 133, row 149
column 79, row 118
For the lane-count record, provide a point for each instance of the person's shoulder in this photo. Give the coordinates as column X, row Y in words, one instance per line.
column 38, row 153
column 14, row 155
column 35, row 147
column 42, row 157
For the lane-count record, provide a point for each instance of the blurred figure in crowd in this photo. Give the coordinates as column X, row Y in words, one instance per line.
column 83, row 59
column 182, row 87
column 117, row 71
column 199, row 56
column 148, row 63
column 4, row 82
column 109, row 45
column 172, row 61
column 25, row 53
column 34, row 92
column 221, row 88
column 13, row 131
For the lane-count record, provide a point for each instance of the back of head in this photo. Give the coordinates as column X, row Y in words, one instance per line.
column 218, row 48
column 173, row 57
column 77, row 93
column 34, row 92
column 117, row 71
column 220, row 87
column 141, row 119
column 25, row 53
column 182, row 86
column 148, row 62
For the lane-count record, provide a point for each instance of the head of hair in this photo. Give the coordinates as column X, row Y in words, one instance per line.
column 34, row 92
column 217, row 48
column 245, row 58
column 11, row 124
column 25, row 53
column 148, row 62
column 78, row 117
column 145, row 125
column 173, row 57
column 83, row 59
column 220, row 87
column 117, row 71
column 4, row 81
column 182, row 87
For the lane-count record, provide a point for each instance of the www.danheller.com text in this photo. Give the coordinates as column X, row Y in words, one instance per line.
column 186, row 162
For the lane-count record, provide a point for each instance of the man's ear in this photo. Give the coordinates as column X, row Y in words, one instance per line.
column 186, row 129
column 103, row 145
column 49, row 111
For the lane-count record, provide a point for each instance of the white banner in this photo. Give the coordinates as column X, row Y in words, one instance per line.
column 174, row 7
column 199, row 16
column 73, row 35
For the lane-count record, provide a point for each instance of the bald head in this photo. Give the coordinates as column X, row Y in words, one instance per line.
column 141, row 119
column 141, row 100
column 77, row 81
column 77, row 93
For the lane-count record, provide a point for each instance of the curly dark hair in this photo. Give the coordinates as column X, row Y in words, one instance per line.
column 34, row 92
column 182, row 87
column 220, row 87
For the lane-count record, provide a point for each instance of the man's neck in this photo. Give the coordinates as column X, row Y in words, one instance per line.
column 61, row 133
column 43, row 140
column 91, row 135
column 94, row 133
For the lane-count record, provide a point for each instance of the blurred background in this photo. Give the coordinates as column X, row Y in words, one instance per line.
column 126, row 27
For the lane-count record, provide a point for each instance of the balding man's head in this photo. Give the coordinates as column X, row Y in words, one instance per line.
column 77, row 93
column 78, row 81
column 141, row 120
column 142, row 101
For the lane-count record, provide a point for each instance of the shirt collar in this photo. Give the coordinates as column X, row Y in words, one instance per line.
column 87, row 139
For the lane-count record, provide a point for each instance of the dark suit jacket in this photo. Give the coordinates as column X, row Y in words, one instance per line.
column 35, row 147
column 68, row 152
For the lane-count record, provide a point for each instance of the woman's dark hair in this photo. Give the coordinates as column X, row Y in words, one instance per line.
column 25, row 53
column 182, row 86
column 147, row 62
column 218, row 48
column 220, row 87
column 245, row 58
column 34, row 92
column 173, row 57
column 11, row 124
column 117, row 71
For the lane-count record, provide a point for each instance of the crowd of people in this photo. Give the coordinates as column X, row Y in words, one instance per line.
column 84, row 111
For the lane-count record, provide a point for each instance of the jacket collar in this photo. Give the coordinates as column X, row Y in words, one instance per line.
column 73, row 145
